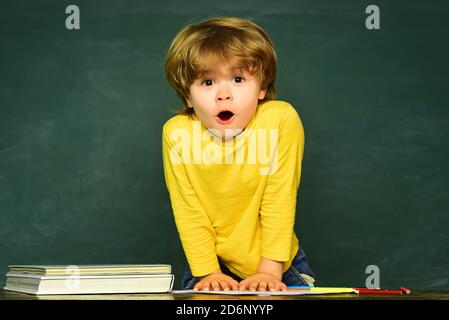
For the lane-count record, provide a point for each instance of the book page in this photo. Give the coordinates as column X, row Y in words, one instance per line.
column 289, row 292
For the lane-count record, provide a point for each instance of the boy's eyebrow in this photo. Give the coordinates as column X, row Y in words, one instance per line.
column 209, row 72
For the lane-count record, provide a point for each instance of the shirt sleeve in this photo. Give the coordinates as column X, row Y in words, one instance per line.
column 194, row 226
column 278, row 205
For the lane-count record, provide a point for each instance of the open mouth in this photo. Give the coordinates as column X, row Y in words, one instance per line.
column 225, row 115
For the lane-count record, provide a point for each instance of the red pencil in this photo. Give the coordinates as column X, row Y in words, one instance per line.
column 383, row 292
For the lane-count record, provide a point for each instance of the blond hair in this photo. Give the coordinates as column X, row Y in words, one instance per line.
column 199, row 46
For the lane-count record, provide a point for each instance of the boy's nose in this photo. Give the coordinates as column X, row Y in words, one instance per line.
column 224, row 95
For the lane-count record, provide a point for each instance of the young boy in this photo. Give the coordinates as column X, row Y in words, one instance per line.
column 232, row 160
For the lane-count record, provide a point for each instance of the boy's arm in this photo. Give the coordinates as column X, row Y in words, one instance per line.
column 194, row 226
column 277, row 212
column 278, row 206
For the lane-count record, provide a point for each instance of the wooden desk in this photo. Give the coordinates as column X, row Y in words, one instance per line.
column 416, row 295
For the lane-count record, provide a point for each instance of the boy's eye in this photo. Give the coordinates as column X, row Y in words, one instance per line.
column 238, row 79
column 208, row 82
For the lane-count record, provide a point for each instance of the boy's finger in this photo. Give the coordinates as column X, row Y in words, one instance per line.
column 214, row 285
column 283, row 287
column 242, row 286
column 263, row 286
column 272, row 286
column 235, row 285
column 224, row 285
column 252, row 286
column 197, row 286
column 205, row 286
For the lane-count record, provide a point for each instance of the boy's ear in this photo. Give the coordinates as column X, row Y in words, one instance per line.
column 262, row 94
column 189, row 104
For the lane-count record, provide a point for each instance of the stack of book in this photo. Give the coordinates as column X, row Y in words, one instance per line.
column 89, row 279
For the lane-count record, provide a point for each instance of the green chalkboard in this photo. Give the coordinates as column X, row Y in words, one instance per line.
column 81, row 114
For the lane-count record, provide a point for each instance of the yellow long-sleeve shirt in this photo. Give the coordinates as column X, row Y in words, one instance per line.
column 235, row 201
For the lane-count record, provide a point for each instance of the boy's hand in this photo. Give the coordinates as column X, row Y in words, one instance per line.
column 267, row 277
column 262, row 281
column 216, row 281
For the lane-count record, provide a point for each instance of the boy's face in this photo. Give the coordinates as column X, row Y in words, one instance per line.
column 225, row 97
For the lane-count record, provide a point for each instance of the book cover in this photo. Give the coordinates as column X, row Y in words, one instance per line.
column 91, row 269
